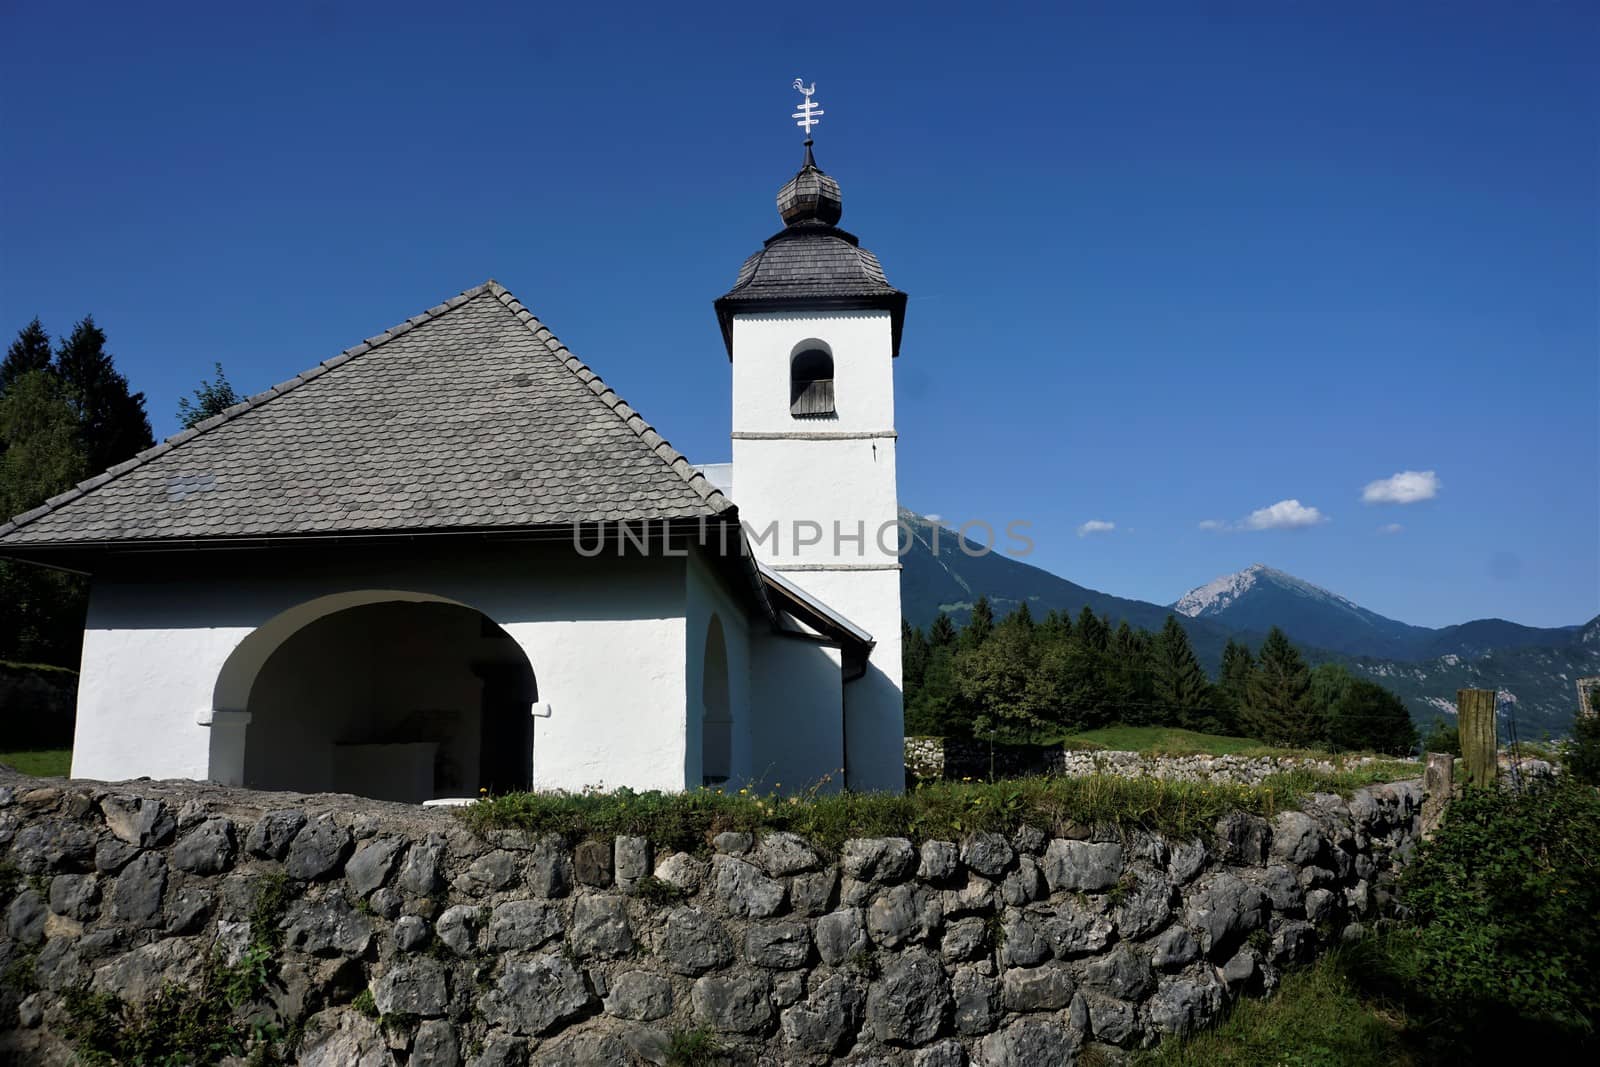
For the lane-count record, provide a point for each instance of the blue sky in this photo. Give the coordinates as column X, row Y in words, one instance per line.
column 1164, row 267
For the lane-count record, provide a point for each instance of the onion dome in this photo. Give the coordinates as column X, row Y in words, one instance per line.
column 811, row 264
column 810, row 196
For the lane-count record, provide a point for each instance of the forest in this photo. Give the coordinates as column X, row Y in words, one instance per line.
column 1025, row 680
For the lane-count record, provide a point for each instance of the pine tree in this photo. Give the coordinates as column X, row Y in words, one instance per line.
column 1181, row 687
column 942, row 634
column 1055, row 627
column 939, row 710
column 1091, row 632
column 1278, row 708
column 1022, row 618
column 29, row 352
column 1233, row 684
column 41, row 610
column 210, row 398
column 1367, row 716
column 1081, row 673
column 980, row 625
column 111, row 420
column 913, row 658
column 42, row 455
column 1329, row 684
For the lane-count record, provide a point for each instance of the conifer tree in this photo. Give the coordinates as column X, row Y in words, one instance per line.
column 29, row 352
column 42, row 455
column 1181, row 687
column 942, row 634
column 1369, row 717
column 1278, row 708
column 1091, row 632
column 111, row 420
column 1125, row 674
column 913, row 657
column 1055, row 627
column 980, row 625
column 939, row 710
column 1022, row 618
column 41, row 610
column 1233, row 683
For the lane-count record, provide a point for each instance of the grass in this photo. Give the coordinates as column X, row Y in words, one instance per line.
column 1322, row 1016
column 41, row 763
column 687, row 821
column 1163, row 740
column 1172, row 741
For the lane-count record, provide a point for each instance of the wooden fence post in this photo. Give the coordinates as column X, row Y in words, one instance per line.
column 1438, row 785
column 1476, row 722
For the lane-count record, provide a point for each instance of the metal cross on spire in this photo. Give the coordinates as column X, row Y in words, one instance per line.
column 809, row 114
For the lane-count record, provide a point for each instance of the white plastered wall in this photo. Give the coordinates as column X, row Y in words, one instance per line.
column 797, row 729
column 605, row 638
column 707, row 593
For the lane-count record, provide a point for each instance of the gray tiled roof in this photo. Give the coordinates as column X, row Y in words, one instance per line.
column 471, row 415
column 810, row 259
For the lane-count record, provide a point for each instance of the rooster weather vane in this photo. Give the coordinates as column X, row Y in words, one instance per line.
column 810, row 114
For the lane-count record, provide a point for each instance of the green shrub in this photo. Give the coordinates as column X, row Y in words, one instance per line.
column 692, row 1048
column 1504, row 901
column 1442, row 737
column 1321, row 1017
column 1581, row 755
column 201, row 1023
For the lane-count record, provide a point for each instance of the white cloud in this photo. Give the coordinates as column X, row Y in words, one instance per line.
column 1094, row 526
column 1213, row 524
column 1405, row 487
column 1284, row 515
column 1390, row 528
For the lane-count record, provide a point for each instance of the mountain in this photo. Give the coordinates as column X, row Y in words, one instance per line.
column 938, row 575
column 1534, row 668
column 1259, row 598
column 1537, row 682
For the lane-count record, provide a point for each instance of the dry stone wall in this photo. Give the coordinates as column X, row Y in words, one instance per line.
column 1009, row 951
column 959, row 757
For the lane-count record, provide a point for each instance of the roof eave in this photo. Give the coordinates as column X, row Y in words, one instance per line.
column 893, row 302
column 88, row 548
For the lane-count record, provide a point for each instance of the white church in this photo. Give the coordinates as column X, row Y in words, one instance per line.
column 452, row 559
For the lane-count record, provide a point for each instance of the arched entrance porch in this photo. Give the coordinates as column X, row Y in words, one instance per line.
column 397, row 696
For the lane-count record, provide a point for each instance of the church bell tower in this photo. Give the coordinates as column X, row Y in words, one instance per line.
column 812, row 328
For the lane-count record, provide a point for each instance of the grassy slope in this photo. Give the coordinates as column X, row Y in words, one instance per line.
column 44, row 763
column 39, row 762
column 1171, row 741
column 1165, row 740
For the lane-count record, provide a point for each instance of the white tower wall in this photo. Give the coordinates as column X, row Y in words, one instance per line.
column 818, row 497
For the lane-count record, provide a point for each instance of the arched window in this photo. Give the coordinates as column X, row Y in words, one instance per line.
column 811, row 381
column 716, row 723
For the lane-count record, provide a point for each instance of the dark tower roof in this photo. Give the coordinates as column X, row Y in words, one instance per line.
column 811, row 263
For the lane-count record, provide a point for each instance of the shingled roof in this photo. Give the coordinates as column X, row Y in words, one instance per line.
column 469, row 416
column 811, row 263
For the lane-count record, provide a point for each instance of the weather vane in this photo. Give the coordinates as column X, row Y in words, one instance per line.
column 809, row 114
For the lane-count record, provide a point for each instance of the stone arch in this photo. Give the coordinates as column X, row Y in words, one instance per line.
column 716, row 718
column 390, row 693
